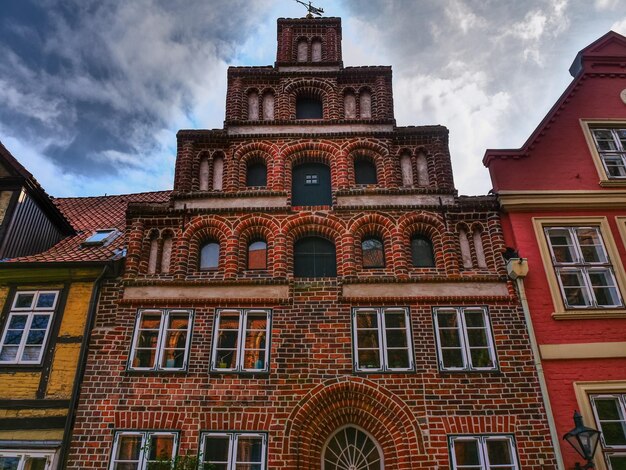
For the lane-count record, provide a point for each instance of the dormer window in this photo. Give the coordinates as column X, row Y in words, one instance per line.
column 102, row 237
column 309, row 108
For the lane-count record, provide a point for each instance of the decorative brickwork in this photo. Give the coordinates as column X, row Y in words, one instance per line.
column 312, row 387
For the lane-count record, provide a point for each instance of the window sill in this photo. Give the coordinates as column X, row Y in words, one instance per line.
column 589, row 314
column 613, row 183
column 250, row 375
column 156, row 372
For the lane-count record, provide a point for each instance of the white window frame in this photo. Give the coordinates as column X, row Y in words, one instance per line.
column 233, row 438
column 609, row 450
column 482, row 441
column 49, row 455
column 30, row 311
column 142, row 464
column 579, row 265
column 619, row 153
column 241, row 339
column 160, row 349
column 464, row 340
column 382, row 339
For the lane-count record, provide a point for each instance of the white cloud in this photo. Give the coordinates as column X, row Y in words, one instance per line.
column 620, row 27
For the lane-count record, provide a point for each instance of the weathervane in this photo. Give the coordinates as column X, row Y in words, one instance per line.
column 311, row 9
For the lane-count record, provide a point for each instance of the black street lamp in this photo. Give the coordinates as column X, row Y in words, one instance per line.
column 584, row 440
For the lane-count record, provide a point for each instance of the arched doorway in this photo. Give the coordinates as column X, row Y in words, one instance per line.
column 310, row 185
column 351, row 448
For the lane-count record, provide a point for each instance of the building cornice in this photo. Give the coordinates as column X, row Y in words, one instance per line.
column 514, row 201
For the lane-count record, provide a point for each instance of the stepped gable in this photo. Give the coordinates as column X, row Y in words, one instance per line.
column 87, row 214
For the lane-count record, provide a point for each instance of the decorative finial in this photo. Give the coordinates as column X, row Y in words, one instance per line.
column 311, row 9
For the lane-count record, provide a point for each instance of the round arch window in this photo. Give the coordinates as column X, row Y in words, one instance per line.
column 351, row 449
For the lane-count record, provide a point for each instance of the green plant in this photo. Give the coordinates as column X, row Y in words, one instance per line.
column 181, row 462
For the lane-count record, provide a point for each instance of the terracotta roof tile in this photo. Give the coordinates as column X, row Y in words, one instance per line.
column 87, row 214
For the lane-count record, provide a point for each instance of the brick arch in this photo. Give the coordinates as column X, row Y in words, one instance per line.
column 254, row 156
column 254, row 226
column 431, row 227
column 379, row 225
column 239, row 420
column 200, row 229
column 308, row 152
column 313, row 88
column 325, row 226
column 360, row 402
column 372, row 156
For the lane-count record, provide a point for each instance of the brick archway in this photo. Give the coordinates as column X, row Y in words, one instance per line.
column 358, row 402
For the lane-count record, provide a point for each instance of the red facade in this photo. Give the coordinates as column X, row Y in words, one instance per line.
column 384, row 313
column 564, row 203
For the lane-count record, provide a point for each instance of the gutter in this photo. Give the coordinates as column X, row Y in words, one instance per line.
column 517, row 269
column 80, row 369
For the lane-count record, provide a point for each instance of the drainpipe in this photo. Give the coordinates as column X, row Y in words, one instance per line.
column 517, row 269
column 80, row 369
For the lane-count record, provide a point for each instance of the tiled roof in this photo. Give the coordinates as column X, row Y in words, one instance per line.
column 87, row 214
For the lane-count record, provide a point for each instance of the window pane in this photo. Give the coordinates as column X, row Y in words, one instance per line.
column 308, row 108
column 8, row 353
column 480, row 357
column 257, row 255
column 373, row 253
column 24, row 300
column 364, row 172
column 35, row 463
column 31, row 353
column 396, row 338
column 369, row 359
column 40, row 321
column 422, row 252
column 249, row 450
column 618, row 462
column 9, row 463
column 466, row 452
column 256, row 175
column 452, row 358
column 499, row 452
column 46, row 300
column 226, row 355
column 160, row 447
column 604, row 288
column 209, row 256
column 367, row 320
column 129, row 448
column 477, row 337
column 398, row 358
column 576, row 294
column 591, row 245
column 612, row 423
column 615, row 165
column 562, row 245
column 216, row 449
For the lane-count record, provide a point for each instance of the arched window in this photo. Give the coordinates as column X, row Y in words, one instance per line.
column 365, row 102
column 166, row 254
column 466, row 251
column 218, row 172
column 256, row 174
column 316, row 50
column 253, row 106
column 314, row 257
column 349, row 105
column 210, row 256
column 373, row 253
column 303, row 50
column 309, row 108
column 154, row 253
column 422, row 170
column 422, row 252
column 364, row 171
column 268, row 106
column 407, row 170
column 310, row 185
column 350, row 449
column 257, row 255
column 204, row 174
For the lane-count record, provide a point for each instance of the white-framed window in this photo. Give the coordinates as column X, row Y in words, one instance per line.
column 583, row 268
column 611, row 146
column 241, row 340
column 162, row 340
column 141, row 450
column 233, row 450
column 26, row 459
column 464, row 338
column 610, row 413
column 488, row 452
column 382, row 339
column 27, row 327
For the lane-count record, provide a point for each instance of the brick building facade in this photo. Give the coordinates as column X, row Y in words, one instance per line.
column 314, row 294
column 564, row 210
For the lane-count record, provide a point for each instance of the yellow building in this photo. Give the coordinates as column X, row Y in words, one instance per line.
column 60, row 251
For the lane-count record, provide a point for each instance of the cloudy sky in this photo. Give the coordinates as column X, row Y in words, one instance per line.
column 92, row 92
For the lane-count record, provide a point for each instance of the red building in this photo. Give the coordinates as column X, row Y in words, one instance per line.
column 314, row 294
column 563, row 196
